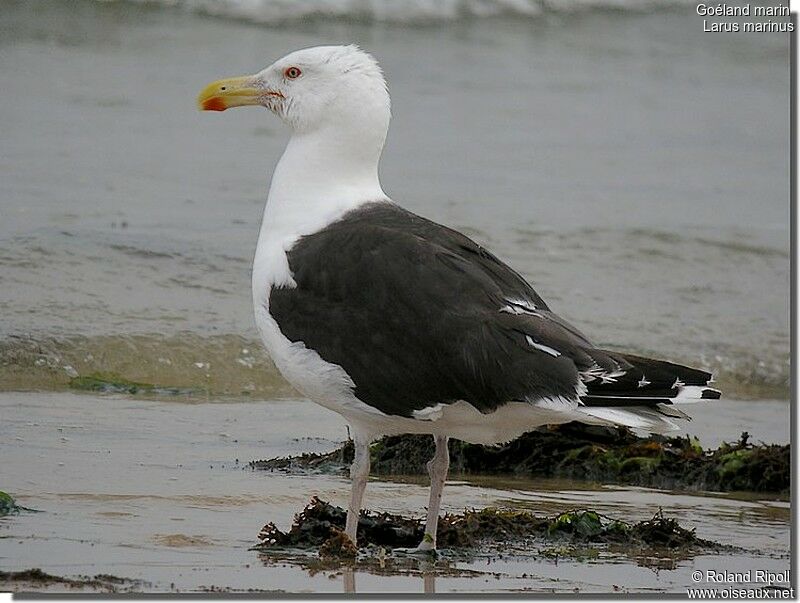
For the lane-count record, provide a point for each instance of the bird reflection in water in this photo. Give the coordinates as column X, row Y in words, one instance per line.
column 428, row 579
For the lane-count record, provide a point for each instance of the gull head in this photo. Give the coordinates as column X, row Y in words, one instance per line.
column 311, row 89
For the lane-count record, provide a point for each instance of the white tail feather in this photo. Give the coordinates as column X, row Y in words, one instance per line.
column 635, row 417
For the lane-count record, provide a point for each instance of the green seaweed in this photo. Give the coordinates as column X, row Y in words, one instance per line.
column 108, row 383
column 111, row 383
column 583, row 523
column 578, row 451
column 7, row 505
column 733, row 462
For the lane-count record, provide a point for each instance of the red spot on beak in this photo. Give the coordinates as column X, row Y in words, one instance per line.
column 215, row 103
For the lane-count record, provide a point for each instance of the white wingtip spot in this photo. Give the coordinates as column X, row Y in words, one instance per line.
column 541, row 347
column 525, row 304
column 597, row 372
column 520, row 306
column 692, row 393
column 592, row 373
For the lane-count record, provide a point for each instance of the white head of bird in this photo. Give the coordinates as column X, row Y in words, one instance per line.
column 334, row 98
column 310, row 89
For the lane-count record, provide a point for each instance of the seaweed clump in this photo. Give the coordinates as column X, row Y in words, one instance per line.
column 36, row 579
column 114, row 384
column 328, row 462
column 578, row 451
column 608, row 455
column 320, row 521
column 8, row 505
column 474, row 527
column 320, row 524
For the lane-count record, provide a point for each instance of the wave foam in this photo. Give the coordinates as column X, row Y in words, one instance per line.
column 272, row 12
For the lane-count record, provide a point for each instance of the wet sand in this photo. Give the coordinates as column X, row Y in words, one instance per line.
column 158, row 492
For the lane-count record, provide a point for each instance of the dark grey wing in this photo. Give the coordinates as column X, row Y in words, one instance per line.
column 418, row 314
column 608, row 378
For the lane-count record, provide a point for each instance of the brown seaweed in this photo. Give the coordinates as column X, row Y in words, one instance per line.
column 37, row 579
column 320, row 525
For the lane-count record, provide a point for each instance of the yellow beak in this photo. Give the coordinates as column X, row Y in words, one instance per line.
column 231, row 92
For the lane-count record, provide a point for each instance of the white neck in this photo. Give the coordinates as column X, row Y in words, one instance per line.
column 321, row 175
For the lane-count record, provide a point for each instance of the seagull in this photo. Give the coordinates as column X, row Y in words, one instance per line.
column 397, row 323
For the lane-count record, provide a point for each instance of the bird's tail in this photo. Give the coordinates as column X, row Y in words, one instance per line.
column 643, row 393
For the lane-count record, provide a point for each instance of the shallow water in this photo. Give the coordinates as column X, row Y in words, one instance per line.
column 159, row 492
column 634, row 168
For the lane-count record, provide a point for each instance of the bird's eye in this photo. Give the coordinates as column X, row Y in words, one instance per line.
column 292, row 73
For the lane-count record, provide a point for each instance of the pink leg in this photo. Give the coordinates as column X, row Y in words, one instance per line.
column 437, row 469
column 359, row 472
